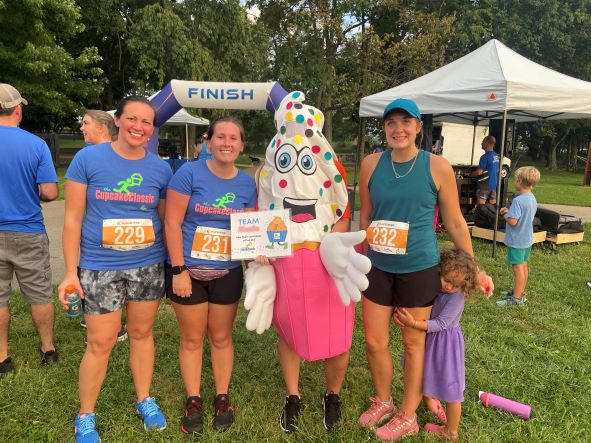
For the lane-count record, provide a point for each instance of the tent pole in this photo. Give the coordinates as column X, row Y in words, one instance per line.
column 186, row 142
column 358, row 154
column 502, row 154
column 475, row 122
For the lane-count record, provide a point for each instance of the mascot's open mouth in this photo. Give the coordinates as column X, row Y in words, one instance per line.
column 301, row 210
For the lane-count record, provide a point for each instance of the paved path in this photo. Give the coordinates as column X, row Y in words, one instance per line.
column 54, row 222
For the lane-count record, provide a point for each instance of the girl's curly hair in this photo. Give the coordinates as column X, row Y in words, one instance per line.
column 456, row 260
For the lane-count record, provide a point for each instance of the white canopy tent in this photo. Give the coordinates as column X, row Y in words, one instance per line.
column 492, row 82
column 489, row 81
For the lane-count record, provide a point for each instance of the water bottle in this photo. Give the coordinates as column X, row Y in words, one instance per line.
column 74, row 302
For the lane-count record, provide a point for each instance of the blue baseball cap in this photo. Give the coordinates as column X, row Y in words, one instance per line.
column 406, row 105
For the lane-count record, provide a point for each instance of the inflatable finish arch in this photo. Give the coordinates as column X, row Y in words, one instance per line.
column 214, row 95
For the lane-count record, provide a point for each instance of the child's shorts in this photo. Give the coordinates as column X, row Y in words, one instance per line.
column 517, row 256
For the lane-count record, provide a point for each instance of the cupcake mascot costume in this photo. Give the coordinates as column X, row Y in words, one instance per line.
column 308, row 295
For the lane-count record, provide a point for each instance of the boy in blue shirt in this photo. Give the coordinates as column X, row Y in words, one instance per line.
column 519, row 232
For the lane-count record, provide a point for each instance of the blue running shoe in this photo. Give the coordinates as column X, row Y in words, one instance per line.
column 151, row 414
column 85, row 427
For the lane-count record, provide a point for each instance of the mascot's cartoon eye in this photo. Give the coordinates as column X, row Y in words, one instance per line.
column 306, row 162
column 285, row 158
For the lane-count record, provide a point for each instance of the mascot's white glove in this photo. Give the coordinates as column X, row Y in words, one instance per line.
column 260, row 295
column 345, row 265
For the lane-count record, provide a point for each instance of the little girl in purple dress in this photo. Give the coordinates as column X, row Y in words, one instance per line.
column 444, row 372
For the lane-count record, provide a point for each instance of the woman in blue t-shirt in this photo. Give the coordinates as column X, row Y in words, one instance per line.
column 114, row 254
column 399, row 190
column 202, row 282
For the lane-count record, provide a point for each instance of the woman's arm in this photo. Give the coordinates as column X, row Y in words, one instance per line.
column 454, row 221
column 175, row 210
column 73, row 217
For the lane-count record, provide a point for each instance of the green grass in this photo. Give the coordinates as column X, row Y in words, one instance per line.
column 539, row 354
column 558, row 187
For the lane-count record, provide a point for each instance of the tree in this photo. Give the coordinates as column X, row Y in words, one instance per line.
column 107, row 28
column 34, row 58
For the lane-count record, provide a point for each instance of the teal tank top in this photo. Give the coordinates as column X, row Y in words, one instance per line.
column 411, row 199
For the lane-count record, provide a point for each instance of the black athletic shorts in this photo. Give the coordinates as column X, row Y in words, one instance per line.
column 412, row 290
column 224, row 290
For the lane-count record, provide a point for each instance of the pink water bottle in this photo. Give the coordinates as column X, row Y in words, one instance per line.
column 496, row 401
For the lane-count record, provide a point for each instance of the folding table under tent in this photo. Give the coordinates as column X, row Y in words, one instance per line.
column 492, row 82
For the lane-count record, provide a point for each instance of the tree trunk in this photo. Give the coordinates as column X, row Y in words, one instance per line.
column 552, row 162
column 587, row 176
column 328, row 115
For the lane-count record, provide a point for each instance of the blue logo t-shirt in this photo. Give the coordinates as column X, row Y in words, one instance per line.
column 121, row 227
column 212, row 200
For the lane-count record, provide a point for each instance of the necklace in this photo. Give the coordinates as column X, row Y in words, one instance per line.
column 397, row 175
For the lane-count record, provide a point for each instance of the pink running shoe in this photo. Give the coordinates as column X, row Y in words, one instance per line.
column 398, row 428
column 441, row 432
column 378, row 411
column 439, row 412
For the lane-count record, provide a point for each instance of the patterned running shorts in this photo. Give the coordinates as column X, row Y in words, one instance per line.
column 109, row 291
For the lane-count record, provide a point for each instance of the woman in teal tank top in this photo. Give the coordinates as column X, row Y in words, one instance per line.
column 399, row 191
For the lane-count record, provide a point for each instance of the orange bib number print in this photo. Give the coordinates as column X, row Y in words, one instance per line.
column 211, row 244
column 388, row 237
column 127, row 234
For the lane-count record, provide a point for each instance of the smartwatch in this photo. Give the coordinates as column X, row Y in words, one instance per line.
column 176, row 270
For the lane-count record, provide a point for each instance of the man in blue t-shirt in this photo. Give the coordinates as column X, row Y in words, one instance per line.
column 487, row 172
column 27, row 176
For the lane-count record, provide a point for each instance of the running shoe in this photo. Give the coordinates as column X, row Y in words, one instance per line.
column 512, row 301
column 377, row 412
column 398, row 427
column 441, row 432
column 6, row 367
column 192, row 421
column 223, row 412
column 331, row 406
column 49, row 356
column 289, row 414
column 438, row 411
column 151, row 414
column 122, row 334
column 85, row 428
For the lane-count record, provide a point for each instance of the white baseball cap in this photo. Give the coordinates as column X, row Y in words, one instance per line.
column 10, row 97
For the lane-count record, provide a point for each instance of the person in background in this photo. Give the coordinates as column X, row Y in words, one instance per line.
column 99, row 127
column 201, row 149
column 202, row 283
column 487, row 172
column 114, row 255
column 519, row 232
column 399, row 191
column 27, row 176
